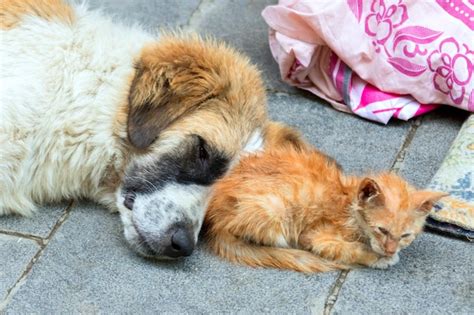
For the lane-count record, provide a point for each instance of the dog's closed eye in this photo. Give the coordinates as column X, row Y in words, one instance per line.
column 129, row 200
column 203, row 154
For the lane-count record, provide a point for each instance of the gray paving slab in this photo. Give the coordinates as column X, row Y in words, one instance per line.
column 39, row 224
column 88, row 268
column 357, row 144
column 430, row 144
column 152, row 14
column 15, row 254
column 434, row 276
column 240, row 24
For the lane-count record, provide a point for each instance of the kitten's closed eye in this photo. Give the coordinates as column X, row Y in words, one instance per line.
column 382, row 230
column 405, row 235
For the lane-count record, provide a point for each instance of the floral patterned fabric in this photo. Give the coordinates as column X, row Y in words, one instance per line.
column 455, row 214
column 377, row 58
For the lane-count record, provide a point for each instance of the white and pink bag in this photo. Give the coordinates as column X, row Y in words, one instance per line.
column 377, row 58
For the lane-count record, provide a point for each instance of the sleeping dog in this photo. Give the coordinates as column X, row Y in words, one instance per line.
column 141, row 124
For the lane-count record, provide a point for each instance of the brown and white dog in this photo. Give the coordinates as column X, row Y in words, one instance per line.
column 139, row 123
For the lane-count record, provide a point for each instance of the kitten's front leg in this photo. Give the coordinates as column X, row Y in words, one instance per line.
column 385, row 262
column 332, row 246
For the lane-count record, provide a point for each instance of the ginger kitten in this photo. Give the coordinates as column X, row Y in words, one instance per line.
column 291, row 207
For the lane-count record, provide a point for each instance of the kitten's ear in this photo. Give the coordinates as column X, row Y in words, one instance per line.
column 424, row 200
column 369, row 193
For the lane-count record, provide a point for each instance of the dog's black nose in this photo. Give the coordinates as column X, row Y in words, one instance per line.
column 182, row 244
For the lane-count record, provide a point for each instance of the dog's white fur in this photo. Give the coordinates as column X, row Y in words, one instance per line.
column 63, row 87
column 55, row 142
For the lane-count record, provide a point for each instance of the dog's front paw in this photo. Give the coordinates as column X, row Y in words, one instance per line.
column 385, row 262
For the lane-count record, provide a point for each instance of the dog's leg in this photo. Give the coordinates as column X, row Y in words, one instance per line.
column 14, row 197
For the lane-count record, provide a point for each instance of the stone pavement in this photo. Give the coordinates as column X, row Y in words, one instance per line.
column 72, row 258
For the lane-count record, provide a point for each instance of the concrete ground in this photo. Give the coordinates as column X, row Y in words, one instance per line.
column 72, row 258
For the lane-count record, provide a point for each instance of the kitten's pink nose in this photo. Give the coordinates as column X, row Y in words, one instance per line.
column 391, row 246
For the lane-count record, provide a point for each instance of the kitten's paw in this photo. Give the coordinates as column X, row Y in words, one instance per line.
column 385, row 262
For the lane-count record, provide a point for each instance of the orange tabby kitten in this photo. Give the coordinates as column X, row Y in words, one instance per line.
column 291, row 207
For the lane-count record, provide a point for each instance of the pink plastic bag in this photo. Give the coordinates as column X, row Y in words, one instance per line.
column 377, row 58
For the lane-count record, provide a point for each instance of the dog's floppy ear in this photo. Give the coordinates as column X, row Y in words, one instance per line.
column 168, row 84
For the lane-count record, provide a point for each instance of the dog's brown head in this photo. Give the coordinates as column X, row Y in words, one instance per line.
column 194, row 107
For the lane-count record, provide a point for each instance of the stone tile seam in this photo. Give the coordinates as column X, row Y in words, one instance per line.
column 197, row 15
column 334, row 293
column 400, row 156
column 286, row 93
column 32, row 237
column 19, row 282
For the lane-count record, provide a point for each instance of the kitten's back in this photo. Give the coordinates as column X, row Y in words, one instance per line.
column 255, row 214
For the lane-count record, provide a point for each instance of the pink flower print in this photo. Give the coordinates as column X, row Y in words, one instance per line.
column 453, row 69
column 384, row 18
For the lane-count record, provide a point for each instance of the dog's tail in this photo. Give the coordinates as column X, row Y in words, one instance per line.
column 236, row 250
